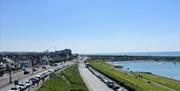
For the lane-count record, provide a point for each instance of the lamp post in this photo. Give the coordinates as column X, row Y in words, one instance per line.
column 10, row 74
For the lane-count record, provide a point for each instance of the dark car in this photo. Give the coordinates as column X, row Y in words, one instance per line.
column 34, row 69
column 110, row 84
column 44, row 67
column 26, row 72
column 33, row 80
column 115, row 87
column 51, row 64
column 55, row 65
column 87, row 65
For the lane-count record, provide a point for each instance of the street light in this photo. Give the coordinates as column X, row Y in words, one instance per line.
column 10, row 75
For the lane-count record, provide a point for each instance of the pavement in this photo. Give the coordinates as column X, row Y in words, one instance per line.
column 91, row 81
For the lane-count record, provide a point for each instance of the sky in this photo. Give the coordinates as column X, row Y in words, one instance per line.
column 90, row 26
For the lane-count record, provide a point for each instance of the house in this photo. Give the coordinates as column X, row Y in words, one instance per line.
column 2, row 65
column 25, row 63
column 45, row 60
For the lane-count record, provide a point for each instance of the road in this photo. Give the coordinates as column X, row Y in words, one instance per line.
column 91, row 81
column 4, row 81
column 21, row 77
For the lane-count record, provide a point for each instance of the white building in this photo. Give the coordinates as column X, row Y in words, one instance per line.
column 45, row 60
column 25, row 63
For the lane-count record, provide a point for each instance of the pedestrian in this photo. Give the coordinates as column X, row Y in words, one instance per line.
column 38, row 82
column 43, row 79
column 33, row 84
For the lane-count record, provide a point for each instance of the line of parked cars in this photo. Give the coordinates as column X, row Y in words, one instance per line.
column 107, row 81
column 32, row 81
column 23, row 85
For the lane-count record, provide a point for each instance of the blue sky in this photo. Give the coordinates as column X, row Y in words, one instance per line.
column 90, row 26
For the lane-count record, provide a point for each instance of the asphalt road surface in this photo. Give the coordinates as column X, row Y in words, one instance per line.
column 91, row 81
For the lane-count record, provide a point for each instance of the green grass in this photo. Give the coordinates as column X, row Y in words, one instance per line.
column 56, row 83
column 171, row 83
column 73, row 76
column 127, row 79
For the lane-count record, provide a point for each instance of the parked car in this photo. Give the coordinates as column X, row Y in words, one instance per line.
column 101, row 77
column 43, row 67
column 26, row 72
column 55, row 64
column 23, row 69
column 14, row 89
column 51, row 64
column 34, row 69
column 44, row 75
column 87, row 65
column 33, row 80
column 46, row 72
column 110, row 84
column 105, row 80
column 38, row 78
column 115, row 87
column 120, row 89
column 51, row 70
column 21, row 86
column 28, row 84
column 55, row 69
column 98, row 75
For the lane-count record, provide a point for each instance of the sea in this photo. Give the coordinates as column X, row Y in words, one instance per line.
column 174, row 53
column 162, row 68
column 170, row 69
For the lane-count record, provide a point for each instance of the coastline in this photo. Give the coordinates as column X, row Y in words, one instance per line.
column 160, row 68
column 136, row 80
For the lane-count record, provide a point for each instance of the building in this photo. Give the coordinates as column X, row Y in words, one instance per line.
column 45, row 60
column 25, row 63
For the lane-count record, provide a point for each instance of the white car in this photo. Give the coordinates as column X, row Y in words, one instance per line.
column 98, row 75
column 105, row 80
column 46, row 73
column 28, row 83
column 21, row 86
column 38, row 76
column 15, row 89
column 120, row 89
column 51, row 70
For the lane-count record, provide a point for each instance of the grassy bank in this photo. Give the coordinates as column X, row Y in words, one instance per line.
column 74, row 78
column 72, row 81
column 128, row 79
column 171, row 83
column 55, row 83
